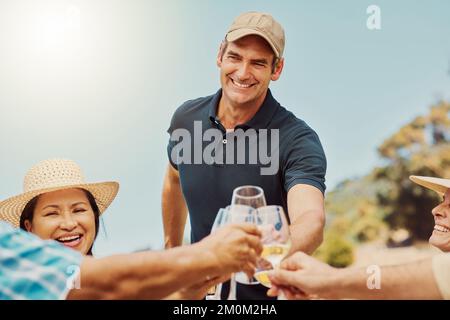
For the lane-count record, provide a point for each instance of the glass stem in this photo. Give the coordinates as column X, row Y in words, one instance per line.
column 232, row 294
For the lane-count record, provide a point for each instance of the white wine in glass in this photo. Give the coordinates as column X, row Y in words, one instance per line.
column 271, row 258
column 274, row 227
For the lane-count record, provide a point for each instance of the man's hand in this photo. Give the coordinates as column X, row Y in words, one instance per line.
column 234, row 248
column 301, row 277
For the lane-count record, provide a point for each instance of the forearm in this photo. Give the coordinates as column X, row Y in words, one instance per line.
column 307, row 215
column 146, row 275
column 174, row 214
column 408, row 281
column 175, row 296
column 307, row 232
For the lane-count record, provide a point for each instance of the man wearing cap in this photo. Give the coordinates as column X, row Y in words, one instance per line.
column 250, row 56
column 301, row 276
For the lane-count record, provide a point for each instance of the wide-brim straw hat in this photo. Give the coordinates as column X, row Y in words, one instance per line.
column 53, row 175
column 436, row 184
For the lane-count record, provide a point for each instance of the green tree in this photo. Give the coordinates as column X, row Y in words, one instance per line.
column 421, row 147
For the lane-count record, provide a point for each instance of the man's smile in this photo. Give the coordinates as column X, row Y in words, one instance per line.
column 241, row 85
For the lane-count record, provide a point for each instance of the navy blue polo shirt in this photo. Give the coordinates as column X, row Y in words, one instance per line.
column 207, row 186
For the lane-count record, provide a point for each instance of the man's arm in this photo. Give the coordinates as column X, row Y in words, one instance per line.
column 197, row 291
column 155, row 275
column 408, row 281
column 307, row 215
column 174, row 210
column 303, row 277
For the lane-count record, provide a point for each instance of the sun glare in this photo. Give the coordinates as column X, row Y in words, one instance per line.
column 55, row 31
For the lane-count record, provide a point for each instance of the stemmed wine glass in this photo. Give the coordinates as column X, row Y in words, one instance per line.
column 276, row 241
column 231, row 214
column 252, row 196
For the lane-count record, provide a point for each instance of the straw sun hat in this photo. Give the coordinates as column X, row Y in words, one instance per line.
column 436, row 184
column 52, row 175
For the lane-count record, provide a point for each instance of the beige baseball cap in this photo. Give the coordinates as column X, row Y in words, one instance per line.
column 260, row 24
column 436, row 184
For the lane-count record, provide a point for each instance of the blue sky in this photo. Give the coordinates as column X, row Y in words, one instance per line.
column 97, row 82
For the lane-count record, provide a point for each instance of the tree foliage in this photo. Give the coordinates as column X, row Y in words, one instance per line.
column 422, row 148
column 365, row 209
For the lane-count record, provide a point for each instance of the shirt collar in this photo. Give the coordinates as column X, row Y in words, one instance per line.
column 260, row 120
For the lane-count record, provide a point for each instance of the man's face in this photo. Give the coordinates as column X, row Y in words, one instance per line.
column 246, row 70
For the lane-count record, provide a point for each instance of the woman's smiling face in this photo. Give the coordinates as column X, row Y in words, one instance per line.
column 65, row 216
column 440, row 238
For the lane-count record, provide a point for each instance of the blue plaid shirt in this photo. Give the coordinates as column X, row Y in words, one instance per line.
column 31, row 268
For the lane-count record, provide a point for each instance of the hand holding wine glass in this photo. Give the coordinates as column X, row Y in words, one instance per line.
column 234, row 247
column 236, row 243
column 244, row 201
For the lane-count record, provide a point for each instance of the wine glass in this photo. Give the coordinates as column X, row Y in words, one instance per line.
column 252, row 196
column 231, row 214
column 218, row 222
column 276, row 241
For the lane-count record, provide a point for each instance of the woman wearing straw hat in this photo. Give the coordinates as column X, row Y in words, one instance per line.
column 58, row 204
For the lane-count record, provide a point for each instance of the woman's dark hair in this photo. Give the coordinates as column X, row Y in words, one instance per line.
column 28, row 214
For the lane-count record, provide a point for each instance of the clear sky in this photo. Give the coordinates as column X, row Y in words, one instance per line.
column 97, row 81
